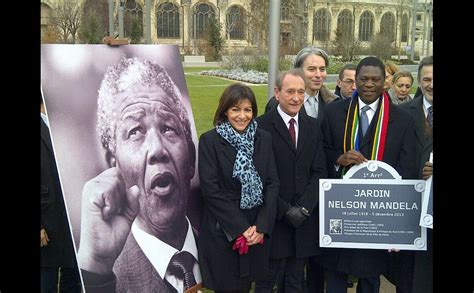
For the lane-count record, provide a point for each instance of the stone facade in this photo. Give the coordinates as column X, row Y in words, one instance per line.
column 303, row 22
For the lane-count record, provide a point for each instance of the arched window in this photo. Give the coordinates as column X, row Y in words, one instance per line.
column 235, row 23
column 405, row 28
column 345, row 22
column 167, row 18
column 321, row 25
column 366, row 26
column 201, row 14
column 387, row 26
column 45, row 14
column 285, row 11
column 133, row 20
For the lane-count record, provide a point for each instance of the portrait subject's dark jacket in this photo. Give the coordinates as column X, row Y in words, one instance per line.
column 221, row 267
column 399, row 153
column 299, row 171
column 60, row 250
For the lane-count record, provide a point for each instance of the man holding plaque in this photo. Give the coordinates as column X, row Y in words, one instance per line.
column 365, row 127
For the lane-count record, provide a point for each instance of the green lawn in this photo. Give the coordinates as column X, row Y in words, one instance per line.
column 205, row 91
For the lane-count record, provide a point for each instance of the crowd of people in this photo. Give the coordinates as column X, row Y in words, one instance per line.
column 259, row 180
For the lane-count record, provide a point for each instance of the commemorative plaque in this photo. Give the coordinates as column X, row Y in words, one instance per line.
column 371, row 207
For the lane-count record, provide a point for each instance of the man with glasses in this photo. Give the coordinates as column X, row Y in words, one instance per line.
column 346, row 82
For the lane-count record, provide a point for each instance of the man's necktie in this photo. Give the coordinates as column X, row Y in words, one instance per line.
column 313, row 107
column 292, row 131
column 430, row 116
column 364, row 120
column 181, row 265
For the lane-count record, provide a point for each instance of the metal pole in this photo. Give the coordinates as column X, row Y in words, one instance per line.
column 121, row 18
column 148, row 21
column 430, row 11
column 273, row 45
column 423, row 34
column 111, row 18
column 413, row 31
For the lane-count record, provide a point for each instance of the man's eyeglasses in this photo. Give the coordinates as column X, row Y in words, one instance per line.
column 348, row 81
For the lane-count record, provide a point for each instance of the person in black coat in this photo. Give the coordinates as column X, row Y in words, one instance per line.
column 298, row 148
column 346, row 145
column 412, row 271
column 239, row 184
column 313, row 62
column 57, row 250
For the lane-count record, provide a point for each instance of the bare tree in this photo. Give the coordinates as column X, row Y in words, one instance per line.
column 257, row 17
column 381, row 46
column 346, row 45
column 66, row 18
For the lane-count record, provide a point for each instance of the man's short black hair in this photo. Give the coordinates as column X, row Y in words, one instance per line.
column 371, row 61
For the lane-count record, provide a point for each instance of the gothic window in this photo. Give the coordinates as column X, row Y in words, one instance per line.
column 167, row 18
column 201, row 14
column 387, row 26
column 366, row 26
column 285, row 11
column 344, row 22
column 235, row 23
column 133, row 20
column 405, row 28
column 321, row 25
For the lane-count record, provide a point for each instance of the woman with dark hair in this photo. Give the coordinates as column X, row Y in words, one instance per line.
column 239, row 184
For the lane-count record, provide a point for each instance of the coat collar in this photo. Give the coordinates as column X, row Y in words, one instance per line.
column 45, row 137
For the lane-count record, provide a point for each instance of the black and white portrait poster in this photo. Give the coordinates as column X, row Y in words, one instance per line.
column 126, row 149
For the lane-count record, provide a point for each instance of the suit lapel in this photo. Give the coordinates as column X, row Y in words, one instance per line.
column 281, row 128
column 229, row 151
column 303, row 128
column 45, row 135
column 416, row 109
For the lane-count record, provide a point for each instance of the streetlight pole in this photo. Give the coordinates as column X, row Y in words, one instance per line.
column 273, row 45
column 122, row 2
column 413, row 31
column 428, row 38
column 148, row 21
column 111, row 18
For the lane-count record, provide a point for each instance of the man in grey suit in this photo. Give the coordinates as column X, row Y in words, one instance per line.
column 300, row 161
column 135, row 236
column 313, row 62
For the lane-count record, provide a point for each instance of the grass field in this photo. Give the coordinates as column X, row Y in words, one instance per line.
column 205, row 92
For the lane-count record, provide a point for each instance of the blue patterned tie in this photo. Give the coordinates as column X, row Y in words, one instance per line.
column 364, row 120
column 313, row 106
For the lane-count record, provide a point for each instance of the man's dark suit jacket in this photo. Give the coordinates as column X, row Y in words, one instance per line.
column 299, row 171
column 223, row 220
column 135, row 273
column 413, row 271
column 325, row 97
column 399, row 153
column 60, row 250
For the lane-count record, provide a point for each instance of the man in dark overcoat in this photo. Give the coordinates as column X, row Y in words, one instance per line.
column 300, row 161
